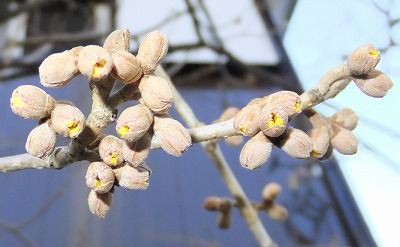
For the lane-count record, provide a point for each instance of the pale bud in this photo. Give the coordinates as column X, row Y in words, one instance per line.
column 224, row 220
column 58, row 69
column 152, row 50
column 345, row 141
column 212, row 203
column 346, row 118
column 255, row 152
column 95, row 62
column 375, row 84
column 41, row 141
column 271, row 191
column 156, row 93
column 110, row 150
column 174, row 138
column 137, row 152
column 31, row 102
column 132, row 178
column 75, row 52
column 320, row 140
column 99, row 177
column 119, row 40
column 234, row 140
column 277, row 212
column 363, row 60
column 67, row 120
column 134, row 122
column 256, row 101
column 295, row 143
column 273, row 120
column 246, row 120
column 126, row 67
column 99, row 204
column 287, row 100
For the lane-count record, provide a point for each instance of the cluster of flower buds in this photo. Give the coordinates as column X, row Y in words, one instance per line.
column 265, row 120
column 221, row 205
column 269, row 194
column 331, row 133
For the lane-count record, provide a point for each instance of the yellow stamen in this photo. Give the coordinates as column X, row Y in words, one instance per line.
column 114, row 159
column 17, row 101
column 275, row 121
column 98, row 183
column 315, row 154
column 73, row 128
column 123, row 131
column 374, row 53
column 98, row 67
column 243, row 130
column 297, row 107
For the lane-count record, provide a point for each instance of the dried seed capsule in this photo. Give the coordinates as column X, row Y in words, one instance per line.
column 246, row 120
column 137, row 152
column 95, row 62
column 295, row 143
column 271, row 191
column 110, row 150
column 132, row 178
column 320, row 140
column 255, row 152
column 346, row 118
column 156, row 93
column 174, row 138
column 119, row 40
column 375, row 84
column 99, row 177
column 277, row 212
column 67, row 120
column 31, row 102
column 212, row 203
column 126, row 67
column 363, row 60
column 345, row 141
column 287, row 100
column 41, row 141
column 272, row 120
column 58, row 69
column 152, row 50
column 99, row 204
column 134, row 122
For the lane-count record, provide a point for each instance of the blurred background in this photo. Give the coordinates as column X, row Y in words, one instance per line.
column 222, row 53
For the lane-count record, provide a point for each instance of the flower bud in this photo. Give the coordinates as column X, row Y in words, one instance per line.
column 234, row 141
column 255, row 152
column 152, row 50
column 67, row 120
column 287, row 100
column 375, row 84
column 119, row 40
column 174, row 138
column 31, row 102
column 212, row 203
column 295, row 143
column 95, row 63
column 75, row 52
column 99, row 177
column 224, row 220
column 256, row 101
column 99, row 204
column 134, row 122
column 58, row 69
column 346, row 118
column 156, row 93
column 363, row 60
column 272, row 120
column 246, row 120
column 345, row 141
column 41, row 141
column 271, row 191
column 110, row 150
column 320, row 140
column 277, row 212
column 137, row 152
column 132, row 178
column 126, row 67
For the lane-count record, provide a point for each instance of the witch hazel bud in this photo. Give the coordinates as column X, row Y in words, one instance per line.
column 31, row 102
column 58, row 69
column 99, row 204
column 41, row 141
column 137, row 152
column 152, row 50
column 363, row 60
column 126, row 67
column 246, row 120
column 75, row 52
column 346, row 118
column 344, row 141
column 255, row 152
column 295, row 143
column 95, row 62
column 174, row 138
column 320, row 140
column 272, row 120
column 67, row 120
column 99, row 177
column 287, row 100
column 375, row 84
column 271, row 191
column 277, row 212
column 119, row 40
column 132, row 178
column 156, row 93
column 110, row 150
column 134, row 122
